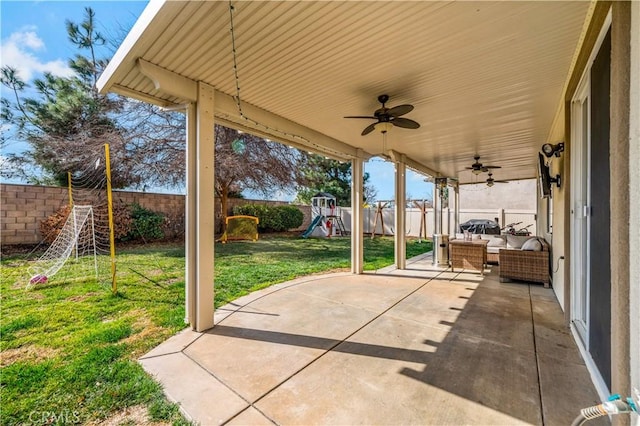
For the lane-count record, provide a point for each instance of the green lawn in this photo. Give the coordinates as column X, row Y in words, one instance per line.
column 69, row 348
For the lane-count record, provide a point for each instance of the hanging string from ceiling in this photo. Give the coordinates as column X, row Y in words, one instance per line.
column 254, row 123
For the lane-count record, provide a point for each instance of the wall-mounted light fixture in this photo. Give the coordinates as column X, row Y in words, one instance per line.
column 550, row 150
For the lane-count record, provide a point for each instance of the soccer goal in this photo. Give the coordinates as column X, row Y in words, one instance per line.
column 76, row 240
column 240, row 227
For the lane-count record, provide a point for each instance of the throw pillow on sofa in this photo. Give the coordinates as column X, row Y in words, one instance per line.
column 532, row 244
column 497, row 241
column 516, row 241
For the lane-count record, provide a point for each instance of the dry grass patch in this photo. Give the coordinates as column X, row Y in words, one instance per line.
column 28, row 353
column 137, row 415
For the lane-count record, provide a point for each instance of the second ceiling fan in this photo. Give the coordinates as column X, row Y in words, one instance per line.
column 477, row 167
column 491, row 181
column 386, row 117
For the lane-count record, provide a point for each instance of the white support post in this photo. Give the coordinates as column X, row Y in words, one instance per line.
column 400, row 220
column 202, row 316
column 436, row 209
column 190, row 216
column 456, row 226
column 357, row 223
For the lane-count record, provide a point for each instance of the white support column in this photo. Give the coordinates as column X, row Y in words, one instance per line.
column 399, row 237
column 456, row 189
column 190, row 216
column 357, row 223
column 436, row 210
column 205, row 214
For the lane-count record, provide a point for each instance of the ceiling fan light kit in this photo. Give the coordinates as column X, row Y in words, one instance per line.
column 383, row 126
column 491, row 181
column 477, row 167
column 388, row 117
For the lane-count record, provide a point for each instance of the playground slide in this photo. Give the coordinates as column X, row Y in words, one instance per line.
column 315, row 222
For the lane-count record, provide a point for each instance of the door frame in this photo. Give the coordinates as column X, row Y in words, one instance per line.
column 581, row 179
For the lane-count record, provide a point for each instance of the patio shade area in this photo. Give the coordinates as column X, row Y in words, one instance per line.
column 485, row 78
column 422, row 345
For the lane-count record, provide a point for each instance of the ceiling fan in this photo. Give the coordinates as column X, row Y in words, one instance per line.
column 491, row 181
column 388, row 117
column 477, row 167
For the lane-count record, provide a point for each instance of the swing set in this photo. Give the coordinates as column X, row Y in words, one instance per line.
column 421, row 205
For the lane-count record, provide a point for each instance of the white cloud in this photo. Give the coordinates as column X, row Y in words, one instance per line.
column 20, row 51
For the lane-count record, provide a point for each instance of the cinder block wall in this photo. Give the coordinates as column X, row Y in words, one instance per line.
column 23, row 207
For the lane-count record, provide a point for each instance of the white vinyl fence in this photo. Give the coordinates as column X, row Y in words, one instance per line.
column 526, row 217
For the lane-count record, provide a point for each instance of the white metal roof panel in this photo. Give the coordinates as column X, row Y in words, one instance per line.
column 485, row 78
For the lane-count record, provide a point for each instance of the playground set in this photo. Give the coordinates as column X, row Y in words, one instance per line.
column 421, row 205
column 327, row 220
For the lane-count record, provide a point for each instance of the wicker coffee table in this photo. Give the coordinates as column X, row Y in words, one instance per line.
column 468, row 254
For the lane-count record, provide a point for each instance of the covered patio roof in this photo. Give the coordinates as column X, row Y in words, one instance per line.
column 486, row 78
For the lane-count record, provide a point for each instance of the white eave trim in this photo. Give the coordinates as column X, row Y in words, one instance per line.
column 169, row 82
column 253, row 119
column 125, row 51
column 412, row 164
column 266, row 124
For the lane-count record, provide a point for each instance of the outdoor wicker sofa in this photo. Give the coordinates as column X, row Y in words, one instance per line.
column 525, row 265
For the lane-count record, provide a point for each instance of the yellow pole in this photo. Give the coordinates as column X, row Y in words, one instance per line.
column 71, row 209
column 70, row 191
column 112, row 240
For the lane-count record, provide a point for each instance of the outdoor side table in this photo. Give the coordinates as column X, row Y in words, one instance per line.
column 468, row 254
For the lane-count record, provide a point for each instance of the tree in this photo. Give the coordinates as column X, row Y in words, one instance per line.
column 68, row 121
column 244, row 161
column 320, row 174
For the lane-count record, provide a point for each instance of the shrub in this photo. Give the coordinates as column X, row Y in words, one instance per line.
column 146, row 224
column 52, row 225
column 275, row 219
column 292, row 217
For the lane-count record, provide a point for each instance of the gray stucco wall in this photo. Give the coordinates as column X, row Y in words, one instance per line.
column 516, row 195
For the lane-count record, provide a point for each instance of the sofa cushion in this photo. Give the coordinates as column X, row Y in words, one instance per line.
column 516, row 241
column 532, row 244
column 496, row 241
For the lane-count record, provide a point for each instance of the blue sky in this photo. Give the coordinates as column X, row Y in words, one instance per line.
column 34, row 41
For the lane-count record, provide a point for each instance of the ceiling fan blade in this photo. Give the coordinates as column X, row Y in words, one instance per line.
column 486, row 168
column 405, row 123
column 400, row 110
column 369, row 129
column 360, row 116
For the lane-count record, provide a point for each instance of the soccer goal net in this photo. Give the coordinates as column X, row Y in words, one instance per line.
column 240, row 228
column 76, row 241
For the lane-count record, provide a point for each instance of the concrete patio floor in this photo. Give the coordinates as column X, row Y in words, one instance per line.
column 422, row 345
